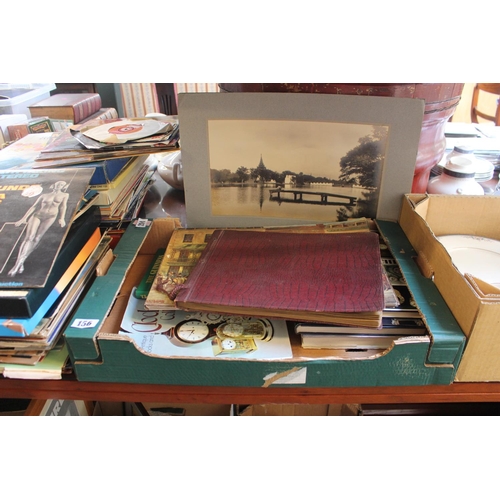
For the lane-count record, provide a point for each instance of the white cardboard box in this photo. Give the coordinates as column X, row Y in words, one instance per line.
column 21, row 95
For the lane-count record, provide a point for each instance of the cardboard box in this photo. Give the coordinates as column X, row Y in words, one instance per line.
column 178, row 410
column 423, row 218
column 289, row 410
column 99, row 353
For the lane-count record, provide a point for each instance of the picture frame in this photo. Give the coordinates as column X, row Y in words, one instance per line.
column 207, row 124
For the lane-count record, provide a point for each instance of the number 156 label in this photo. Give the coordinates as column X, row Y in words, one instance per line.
column 84, row 323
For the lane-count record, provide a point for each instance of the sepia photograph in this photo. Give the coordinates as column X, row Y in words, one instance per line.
column 295, row 169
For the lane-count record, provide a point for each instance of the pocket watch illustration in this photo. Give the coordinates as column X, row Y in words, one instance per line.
column 229, row 334
column 192, row 331
column 258, row 329
column 233, row 345
column 189, row 332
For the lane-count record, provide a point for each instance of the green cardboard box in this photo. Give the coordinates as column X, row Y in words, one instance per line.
column 99, row 353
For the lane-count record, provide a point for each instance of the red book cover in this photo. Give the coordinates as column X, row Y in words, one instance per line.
column 296, row 276
column 74, row 107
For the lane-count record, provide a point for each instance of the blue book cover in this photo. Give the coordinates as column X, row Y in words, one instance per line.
column 105, row 170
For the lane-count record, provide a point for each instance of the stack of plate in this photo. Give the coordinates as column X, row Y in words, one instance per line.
column 474, row 255
column 484, row 170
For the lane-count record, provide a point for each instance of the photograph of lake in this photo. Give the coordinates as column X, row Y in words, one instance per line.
column 295, row 169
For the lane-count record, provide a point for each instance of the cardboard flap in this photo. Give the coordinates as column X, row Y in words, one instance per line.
column 484, row 290
column 448, row 339
column 424, row 265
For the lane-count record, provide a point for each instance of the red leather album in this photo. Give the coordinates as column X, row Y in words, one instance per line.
column 334, row 278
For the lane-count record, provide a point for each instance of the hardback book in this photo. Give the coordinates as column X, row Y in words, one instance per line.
column 389, row 326
column 183, row 250
column 37, row 208
column 345, row 341
column 34, row 126
column 333, row 278
column 23, row 303
column 18, row 131
column 186, row 245
column 142, row 290
column 15, row 327
column 102, row 114
column 40, row 125
column 74, row 107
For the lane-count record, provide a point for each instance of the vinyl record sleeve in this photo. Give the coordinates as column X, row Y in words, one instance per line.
column 124, row 131
column 37, row 208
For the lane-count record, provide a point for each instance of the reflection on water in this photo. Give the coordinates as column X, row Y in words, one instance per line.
column 254, row 201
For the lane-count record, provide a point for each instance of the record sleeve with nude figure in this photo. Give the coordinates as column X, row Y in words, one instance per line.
column 36, row 211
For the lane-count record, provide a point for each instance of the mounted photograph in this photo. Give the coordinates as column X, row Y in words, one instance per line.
column 263, row 159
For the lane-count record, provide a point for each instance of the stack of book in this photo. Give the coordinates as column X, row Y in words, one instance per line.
column 50, row 254
column 336, row 285
column 341, row 291
column 400, row 318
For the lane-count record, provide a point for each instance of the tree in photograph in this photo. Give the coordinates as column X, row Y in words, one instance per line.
column 242, row 174
column 363, row 164
column 221, row 176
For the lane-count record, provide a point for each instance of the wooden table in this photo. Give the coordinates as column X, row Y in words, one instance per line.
column 103, row 391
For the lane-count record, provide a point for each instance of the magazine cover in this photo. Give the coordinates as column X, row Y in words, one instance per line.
column 203, row 335
column 36, row 211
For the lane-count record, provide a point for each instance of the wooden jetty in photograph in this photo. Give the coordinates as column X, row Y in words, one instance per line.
column 313, row 197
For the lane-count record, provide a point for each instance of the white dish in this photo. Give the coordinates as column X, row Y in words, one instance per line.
column 474, row 255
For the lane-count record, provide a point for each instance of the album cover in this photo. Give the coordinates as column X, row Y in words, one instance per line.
column 127, row 130
column 37, row 208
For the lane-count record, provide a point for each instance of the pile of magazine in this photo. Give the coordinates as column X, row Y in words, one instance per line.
column 51, row 252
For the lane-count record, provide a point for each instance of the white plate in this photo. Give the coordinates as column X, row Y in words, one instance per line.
column 474, row 255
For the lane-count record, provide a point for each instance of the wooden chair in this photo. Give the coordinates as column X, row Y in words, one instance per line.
column 492, row 88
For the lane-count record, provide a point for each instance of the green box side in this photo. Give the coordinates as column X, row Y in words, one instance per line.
column 448, row 339
column 101, row 296
column 407, row 363
column 404, row 365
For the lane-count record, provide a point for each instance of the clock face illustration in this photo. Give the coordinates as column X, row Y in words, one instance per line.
column 192, row 331
column 231, row 330
column 228, row 344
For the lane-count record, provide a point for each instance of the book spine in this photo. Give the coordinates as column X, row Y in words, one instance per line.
column 17, row 132
column 87, row 107
column 102, row 114
column 40, row 126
